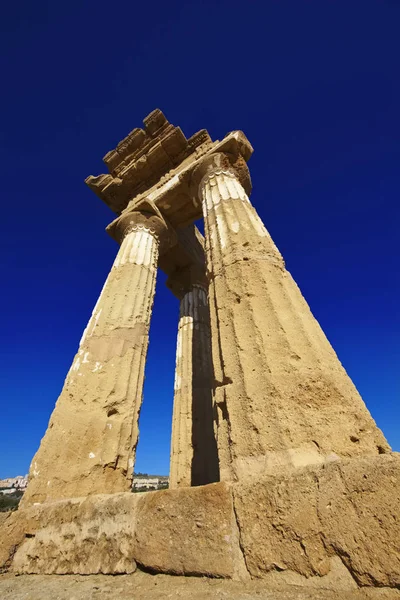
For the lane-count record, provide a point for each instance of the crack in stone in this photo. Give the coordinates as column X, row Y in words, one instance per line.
column 239, row 533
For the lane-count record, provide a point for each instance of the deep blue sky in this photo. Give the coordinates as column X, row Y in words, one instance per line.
column 314, row 85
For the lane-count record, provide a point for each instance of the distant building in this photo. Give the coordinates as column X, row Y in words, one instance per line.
column 14, row 483
column 149, row 483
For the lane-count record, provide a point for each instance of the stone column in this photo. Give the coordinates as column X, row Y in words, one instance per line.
column 194, row 459
column 90, row 443
column 283, row 398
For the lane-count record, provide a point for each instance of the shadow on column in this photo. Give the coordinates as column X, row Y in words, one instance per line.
column 205, row 466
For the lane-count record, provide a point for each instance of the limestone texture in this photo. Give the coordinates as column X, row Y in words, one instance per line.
column 155, row 164
column 194, row 459
column 346, row 509
column 333, row 526
column 188, row 531
column 14, row 529
column 90, row 443
column 283, row 398
column 309, row 491
column 84, row 536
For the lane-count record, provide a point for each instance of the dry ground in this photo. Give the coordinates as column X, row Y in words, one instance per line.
column 142, row 586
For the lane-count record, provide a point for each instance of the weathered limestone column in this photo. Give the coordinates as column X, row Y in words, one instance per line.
column 194, row 459
column 283, row 398
column 90, row 443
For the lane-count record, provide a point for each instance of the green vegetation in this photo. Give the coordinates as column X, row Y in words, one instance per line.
column 9, row 502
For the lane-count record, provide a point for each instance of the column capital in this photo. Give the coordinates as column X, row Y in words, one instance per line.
column 143, row 217
column 217, row 164
column 184, row 280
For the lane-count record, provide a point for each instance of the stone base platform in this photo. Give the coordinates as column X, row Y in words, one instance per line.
column 142, row 586
column 334, row 526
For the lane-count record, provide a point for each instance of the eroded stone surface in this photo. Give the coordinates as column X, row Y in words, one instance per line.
column 349, row 509
column 283, row 398
column 89, row 446
column 14, row 529
column 188, row 531
column 144, row 158
column 334, row 526
column 85, row 535
column 286, row 412
column 359, row 504
column 155, row 165
column 194, row 459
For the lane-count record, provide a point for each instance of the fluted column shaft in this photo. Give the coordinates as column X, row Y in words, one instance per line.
column 193, row 447
column 283, row 399
column 91, row 440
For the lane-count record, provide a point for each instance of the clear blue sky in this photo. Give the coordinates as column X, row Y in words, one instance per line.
column 315, row 86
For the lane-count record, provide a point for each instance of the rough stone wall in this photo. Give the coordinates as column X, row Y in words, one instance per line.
column 283, row 398
column 330, row 526
column 349, row 509
column 89, row 446
column 194, row 459
column 182, row 532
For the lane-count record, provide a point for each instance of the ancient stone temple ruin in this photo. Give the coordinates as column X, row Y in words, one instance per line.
column 277, row 467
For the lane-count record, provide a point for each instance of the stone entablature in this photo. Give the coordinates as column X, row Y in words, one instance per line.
column 166, row 184
column 144, row 158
